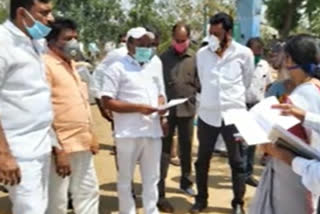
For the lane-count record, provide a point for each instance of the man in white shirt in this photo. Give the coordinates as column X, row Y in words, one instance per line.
column 25, row 137
column 225, row 69
column 133, row 92
column 261, row 80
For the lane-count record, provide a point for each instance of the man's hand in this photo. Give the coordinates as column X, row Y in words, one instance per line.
column 162, row 101
column 10, row 173
column 288, row 109
column 63, row 167
column 94, row 148
column 146, row 109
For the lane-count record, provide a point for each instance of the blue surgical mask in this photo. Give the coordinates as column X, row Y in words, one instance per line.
column 143, row 55
column 38, row 30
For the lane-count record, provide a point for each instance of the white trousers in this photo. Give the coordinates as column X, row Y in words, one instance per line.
column 31, row 195
column 82, row 184
column 147, row 151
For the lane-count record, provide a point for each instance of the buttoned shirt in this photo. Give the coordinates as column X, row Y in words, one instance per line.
column 111, row 58
column 126, row 80
column 72, row 116
column 181, row 80
column 115, row 56
column 224, row 81
column 261, row 79
column 25, row 104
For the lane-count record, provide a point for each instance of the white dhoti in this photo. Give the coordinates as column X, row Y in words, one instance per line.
column 31, row 195
column 147, row 151
column 82, row 184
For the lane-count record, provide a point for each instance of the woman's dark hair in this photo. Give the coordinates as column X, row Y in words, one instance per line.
column 305, row 52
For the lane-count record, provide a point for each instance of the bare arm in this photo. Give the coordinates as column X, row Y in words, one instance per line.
column 125, row 107
column 9, row 170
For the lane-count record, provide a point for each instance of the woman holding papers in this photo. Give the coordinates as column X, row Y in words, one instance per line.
column 281, row 190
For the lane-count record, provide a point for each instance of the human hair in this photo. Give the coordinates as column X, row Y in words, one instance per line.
column 27, row 4
column 180, row 25
column 224, row 19
column 58, row 26
column 255, row 40
column 121, row 35
column 305, row 52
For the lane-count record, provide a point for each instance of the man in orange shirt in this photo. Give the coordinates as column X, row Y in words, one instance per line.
column 72, row 165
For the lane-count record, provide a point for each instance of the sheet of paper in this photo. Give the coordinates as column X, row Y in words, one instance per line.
column 249, row 129
column 172, row 103
column 267, row 117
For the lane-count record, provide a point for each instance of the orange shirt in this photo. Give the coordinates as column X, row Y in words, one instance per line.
column 72, row 116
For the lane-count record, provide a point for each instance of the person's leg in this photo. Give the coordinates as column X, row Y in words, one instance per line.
column 165, row 156
column 31, row 195
column 237, row 161
column 185, row 136
column 127, row 156
column 250, row 159
column 207, row 136
column 150, row 173
column 58, row 192
column 84, row 184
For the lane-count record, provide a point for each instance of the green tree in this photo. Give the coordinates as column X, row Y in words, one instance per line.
column 3, row 10
column 98, row 20
column 285, row 15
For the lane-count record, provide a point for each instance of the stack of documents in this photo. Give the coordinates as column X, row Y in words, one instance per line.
column 263, row 124
column 287, row 140
column 255, row 126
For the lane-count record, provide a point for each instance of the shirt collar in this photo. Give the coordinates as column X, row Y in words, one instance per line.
column 15, row 30
column 132, row 61
column 188, row 53
column 61, row 61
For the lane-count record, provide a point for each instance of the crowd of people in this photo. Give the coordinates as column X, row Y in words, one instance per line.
column 47, row 144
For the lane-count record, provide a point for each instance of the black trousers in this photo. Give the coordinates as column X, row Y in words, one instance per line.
column 185, row 135
column 207, row 136
column 251, row 151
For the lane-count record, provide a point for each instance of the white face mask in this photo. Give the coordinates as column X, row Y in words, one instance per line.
column 214, row 43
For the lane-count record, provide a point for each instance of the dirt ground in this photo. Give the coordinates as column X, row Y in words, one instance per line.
column 219, row 180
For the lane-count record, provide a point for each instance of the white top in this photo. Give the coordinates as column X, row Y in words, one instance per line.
column 25, row 101
column 224, row 81
column 261, row 79
column 306, row 96
column 127, row 81
column 111, row 58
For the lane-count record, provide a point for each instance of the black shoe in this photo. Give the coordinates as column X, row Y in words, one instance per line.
column 3, row 189
column 70, row 205
column 238, row 209
column 198, row 207
column 252, row 181
column 164, row 206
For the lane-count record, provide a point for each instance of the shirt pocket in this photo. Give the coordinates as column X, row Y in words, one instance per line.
column 232, row 71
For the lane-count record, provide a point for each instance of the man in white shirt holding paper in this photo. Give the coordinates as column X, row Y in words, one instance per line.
column 225, row 70
column 132, row 92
